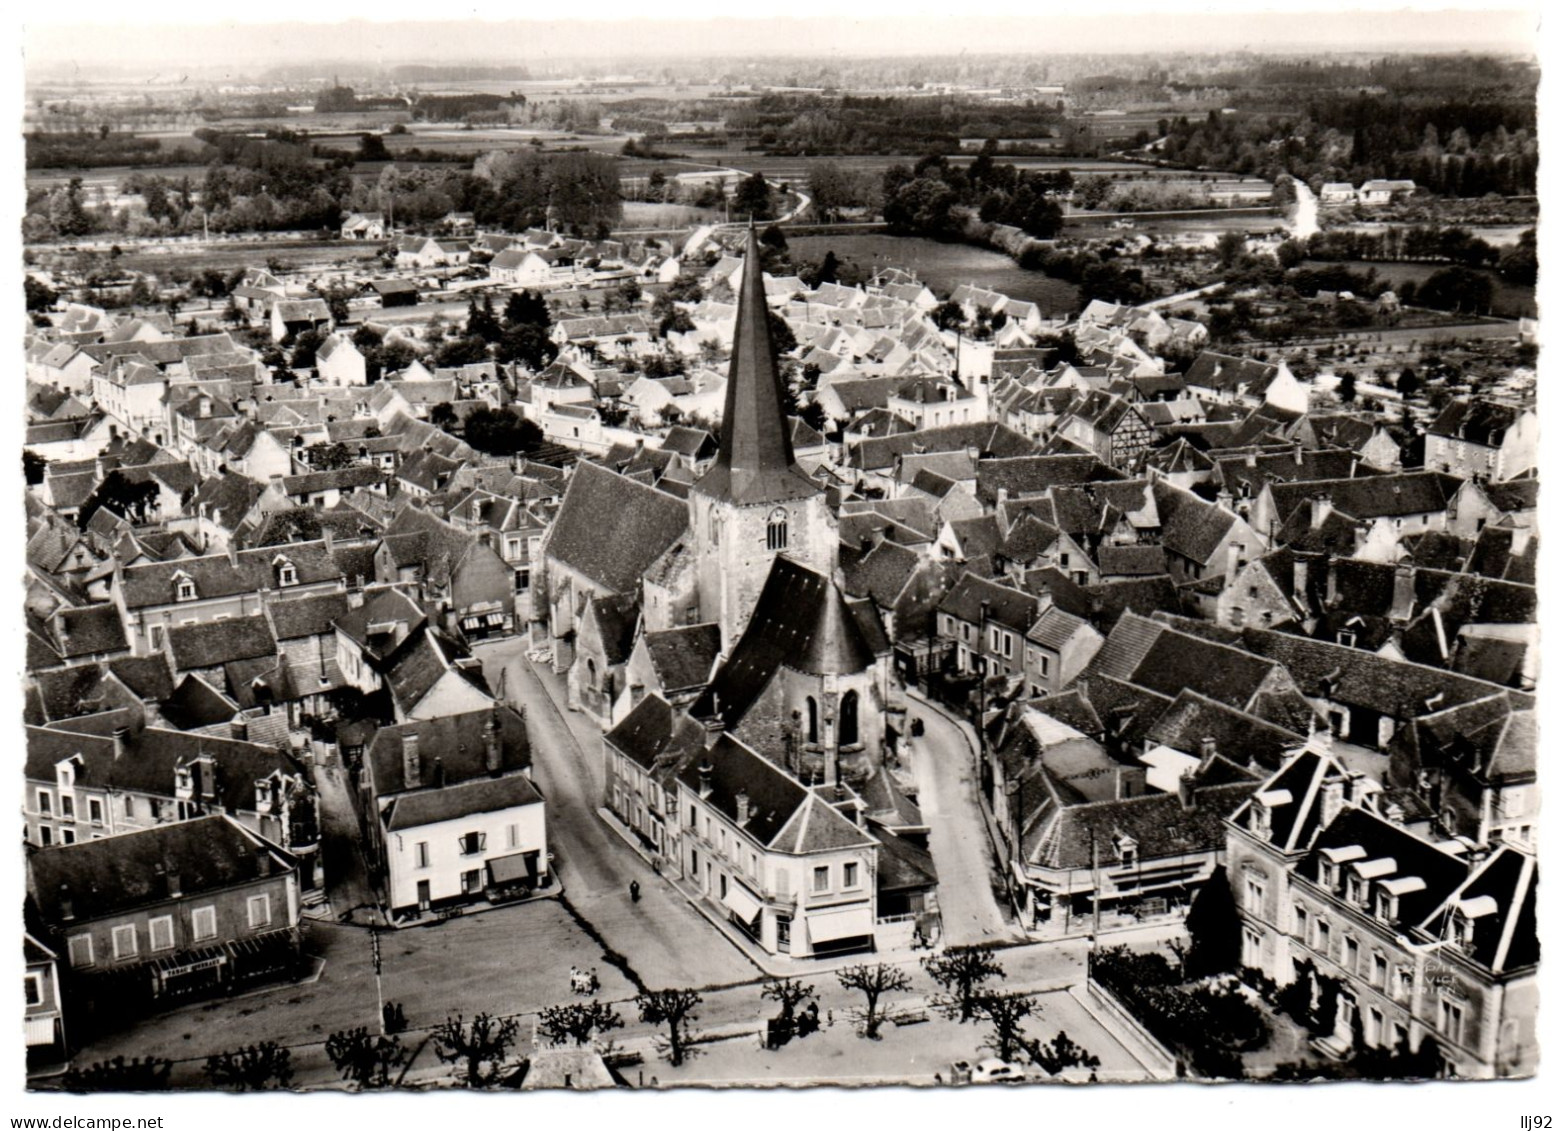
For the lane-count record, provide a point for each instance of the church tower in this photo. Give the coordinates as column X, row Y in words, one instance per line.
column 755, row 502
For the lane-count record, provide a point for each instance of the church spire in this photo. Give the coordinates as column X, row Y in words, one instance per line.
column 756, row 463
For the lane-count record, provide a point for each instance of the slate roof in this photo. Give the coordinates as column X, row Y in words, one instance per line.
column 1007, row 606
column 1506, row 941
column 1482, row 422
column 465, row 799
column 458, row 741
column 314, row 615
column 195, row 646
column 124, row 873
column 657, row 736
column 613, row 529
column 683, row 657
column 90, row 631
column 801, row 620
column 150, row 758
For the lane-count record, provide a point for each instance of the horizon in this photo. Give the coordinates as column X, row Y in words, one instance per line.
column 241, row 49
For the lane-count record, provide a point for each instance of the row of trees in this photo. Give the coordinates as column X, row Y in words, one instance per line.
column 936, row 198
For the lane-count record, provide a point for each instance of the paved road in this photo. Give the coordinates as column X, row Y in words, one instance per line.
column 944, row 762
column 666, row 941
column 341, row 845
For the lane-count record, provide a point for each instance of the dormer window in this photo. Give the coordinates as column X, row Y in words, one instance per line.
column 184, row 588
column 1387, row 907
column 1127, row 850
column 287, row 573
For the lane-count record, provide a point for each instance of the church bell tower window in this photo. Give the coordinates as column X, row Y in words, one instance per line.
column 775, row 530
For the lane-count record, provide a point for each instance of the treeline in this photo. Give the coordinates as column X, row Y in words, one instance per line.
column 1453, row 146
column 817, row 124
column 1517, row 263
column 935, row 198
column 85, row 148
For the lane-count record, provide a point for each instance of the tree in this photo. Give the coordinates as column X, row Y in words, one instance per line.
column 1006, row 1012
column 481, row 322
column 961, row 971
column 38, row 295
column 673, row 1008
column 363, row 1060
column 529, row 344
column 128, row 499
column 1214, row 929
column 949, row 315
column 873, row 982
column 477, row 1050
column 629, row 293
column 781, row 335
column 789, row 993
column 1229, row 248
column 304, row 348
column 753, row 198
column 253, row 1069
column 120, row 1075
column 500, row 432
column 1061, row 1053
column 468, row 350
column 33, row 466
column 527, row 307
column 1346, row 389
column 329, row 456
column 296, row 524
column 577, row 1022
column 443, row 416
column 1407, row 383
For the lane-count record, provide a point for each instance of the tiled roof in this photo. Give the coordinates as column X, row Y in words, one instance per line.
column 612, row 529
column 123, row 873
column 465, row 799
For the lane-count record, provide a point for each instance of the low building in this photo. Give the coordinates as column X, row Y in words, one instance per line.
column 164, row 915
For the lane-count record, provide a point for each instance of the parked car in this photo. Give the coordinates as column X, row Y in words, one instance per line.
column 994, row 1071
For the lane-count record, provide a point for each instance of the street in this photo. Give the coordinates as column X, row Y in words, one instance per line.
column 944, row 762
column 668, row 943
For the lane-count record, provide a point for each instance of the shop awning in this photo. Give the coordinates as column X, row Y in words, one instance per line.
column 840, row 923
column 471, row 622
column 508, row 869
column 40, row 1029
column 740, row 903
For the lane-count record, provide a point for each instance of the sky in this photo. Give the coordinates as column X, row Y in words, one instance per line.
column 202, row 35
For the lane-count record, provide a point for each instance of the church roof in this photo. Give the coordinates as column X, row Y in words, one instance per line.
column 801, row 620
column 755, row 463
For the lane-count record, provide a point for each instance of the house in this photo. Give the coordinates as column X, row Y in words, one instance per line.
column 1239, row 380
column 983, row 624
column 427, row 252
column 522, row 267
column 164, row 915
column 364, row 226
column 790, row 867
column 291, row 317
column 1483, row 440
column 1431, row 943
column 643, row 755
column 1379, row 192
column 44, row 1016
column 1092, row 845
column 454, row 816
column 1337, row 192
column 395, row 292
column 1058, row 647
column 1110, row 428
column 339, row 362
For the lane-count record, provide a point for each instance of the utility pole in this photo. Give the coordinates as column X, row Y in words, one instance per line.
column 1095, row 889
column 379, row 990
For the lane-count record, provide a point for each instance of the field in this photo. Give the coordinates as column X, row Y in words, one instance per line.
column 944, row 266
column 1509, row 300
column 229, row 255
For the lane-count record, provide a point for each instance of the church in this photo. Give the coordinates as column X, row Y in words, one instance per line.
column 802, row 674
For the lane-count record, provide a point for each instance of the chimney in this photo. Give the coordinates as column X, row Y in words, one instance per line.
column 1332, row 802
column 1320, row 510
column 411, row 764
column 1206, row 748
column 740, row 808
column 1251, row 458
column 233, row 553
column 1297, row 452
column 437, row 774
column 493, row 754
column 208, row 768
column 239, row 730
column 1299, row 580
column 175, row 885
column 1185, row 790
column 1332, row 583
column 1404, row 591
column 263, row 862
column 705, row 770
column 328, row 538
column 67, row 904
